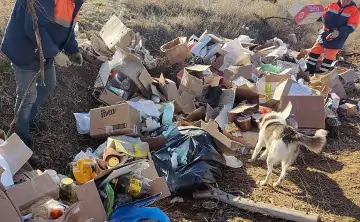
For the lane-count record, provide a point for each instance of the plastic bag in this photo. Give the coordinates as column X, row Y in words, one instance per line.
column 168, row 114
column 85, row 155
column 109, row 200
column 82, row 122
column 83, row 170
column 201, row 157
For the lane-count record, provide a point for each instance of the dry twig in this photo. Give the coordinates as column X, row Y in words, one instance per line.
column 30, row 7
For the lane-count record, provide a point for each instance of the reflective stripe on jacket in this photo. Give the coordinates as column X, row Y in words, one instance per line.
column 56, row 28
column 344, row 19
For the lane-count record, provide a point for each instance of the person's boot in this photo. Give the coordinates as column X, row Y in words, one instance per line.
column 39, row 125
column 326, row 65
column 34, row 160
column 311, row 63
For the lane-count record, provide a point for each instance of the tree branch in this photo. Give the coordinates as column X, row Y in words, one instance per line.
column 30, row 8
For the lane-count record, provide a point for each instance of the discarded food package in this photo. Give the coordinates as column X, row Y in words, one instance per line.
column 116, row 35
column 348, row 110
column 120, row 119
column 306, row 13
column 176, row 50
column 196, row 152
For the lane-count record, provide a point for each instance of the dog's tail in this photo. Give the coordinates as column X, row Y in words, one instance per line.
column 313, row 143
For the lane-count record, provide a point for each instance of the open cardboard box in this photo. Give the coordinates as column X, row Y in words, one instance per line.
column 23, row 195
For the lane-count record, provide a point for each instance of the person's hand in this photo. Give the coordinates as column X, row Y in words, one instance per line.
column 62, row 60
column 333, row 35
column 76, row 59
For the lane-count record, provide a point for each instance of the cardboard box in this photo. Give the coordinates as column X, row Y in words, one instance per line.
column 309, row 111
column 115, row 34
column 168, row 88
column 120, row 119
column 348, row 78
column 225, row 144
column 234, row 72
column 348, row 110
column 187, row 102
column 176, row 50
column 132, row 67
column 23, row 195
column 110, row 98
column 248, row 139
column 306, row 13
column 267, row 86
column 15, row 152
column 331, row 80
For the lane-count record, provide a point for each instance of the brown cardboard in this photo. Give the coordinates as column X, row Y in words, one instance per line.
column 169, row 89
column 155, row 143
column 115, row 34
column 27, row 193
column 120, row 119
column 187, row 102
column 132, row 67
column 349, row 76
column 197, row 114
column 191, row 84
column 332, row 81
column 176, row 50
column 234, row 72
column 224, row 143
column 110, row 98
column 309, row 111
column 246, row 109
column 15, row 152
column 348, row 110
column 211, row 113
column 7, row 209
column 248, row 139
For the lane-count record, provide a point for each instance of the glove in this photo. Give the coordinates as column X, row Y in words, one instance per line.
column 76, row 59
column 333, row 35
column 62, row 60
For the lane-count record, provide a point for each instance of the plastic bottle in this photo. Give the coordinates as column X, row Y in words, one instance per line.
column 270, row 68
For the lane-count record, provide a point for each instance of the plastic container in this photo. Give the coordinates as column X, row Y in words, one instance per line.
column 135, row 185
column 244, row 123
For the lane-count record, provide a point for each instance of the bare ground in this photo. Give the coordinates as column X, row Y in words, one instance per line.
column 327, row 184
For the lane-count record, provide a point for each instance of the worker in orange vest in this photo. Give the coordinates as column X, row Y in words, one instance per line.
column 340, row 19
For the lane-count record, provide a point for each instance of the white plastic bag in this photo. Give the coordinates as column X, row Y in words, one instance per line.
column 6, row 177
column 82, row 122
column 145, row 107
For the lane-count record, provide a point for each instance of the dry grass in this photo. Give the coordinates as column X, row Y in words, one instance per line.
column 325, row 184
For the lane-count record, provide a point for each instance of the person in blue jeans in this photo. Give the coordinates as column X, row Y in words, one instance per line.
column 56, row 21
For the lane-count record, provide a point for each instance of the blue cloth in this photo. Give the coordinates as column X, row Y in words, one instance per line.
column 137, row 211
column 36, row 97
column 19, row 42
column 336, row 21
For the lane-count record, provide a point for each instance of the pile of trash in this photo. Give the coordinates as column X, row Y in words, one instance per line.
column 165, row 136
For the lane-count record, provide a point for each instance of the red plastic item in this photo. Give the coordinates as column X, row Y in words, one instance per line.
column 56, row 213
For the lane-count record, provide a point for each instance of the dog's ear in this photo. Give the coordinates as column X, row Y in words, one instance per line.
column 287, row 111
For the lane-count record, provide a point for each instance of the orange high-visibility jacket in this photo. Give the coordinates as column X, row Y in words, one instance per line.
column 344, row 19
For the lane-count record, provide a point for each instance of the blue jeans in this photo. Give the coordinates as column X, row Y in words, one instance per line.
column 36, row 97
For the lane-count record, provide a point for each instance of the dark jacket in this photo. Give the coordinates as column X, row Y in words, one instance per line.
column 56, row 26
column 345, row 19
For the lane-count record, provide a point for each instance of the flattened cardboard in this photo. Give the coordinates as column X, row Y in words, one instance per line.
column 120, row 119
column 211, row 113
column 27, row 193
column 110, row 98
column 248, row 139
column 115, row 34
column 15, row 152
column 225, row 144
column 349, row 76
column 309, row 111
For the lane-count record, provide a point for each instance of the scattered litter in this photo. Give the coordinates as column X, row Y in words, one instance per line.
column 177, row 200
column 232, row 161
column 82, row 122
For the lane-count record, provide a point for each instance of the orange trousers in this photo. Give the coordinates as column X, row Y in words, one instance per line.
column 330, row 54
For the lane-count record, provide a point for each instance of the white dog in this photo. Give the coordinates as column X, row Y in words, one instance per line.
column 283, row 143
